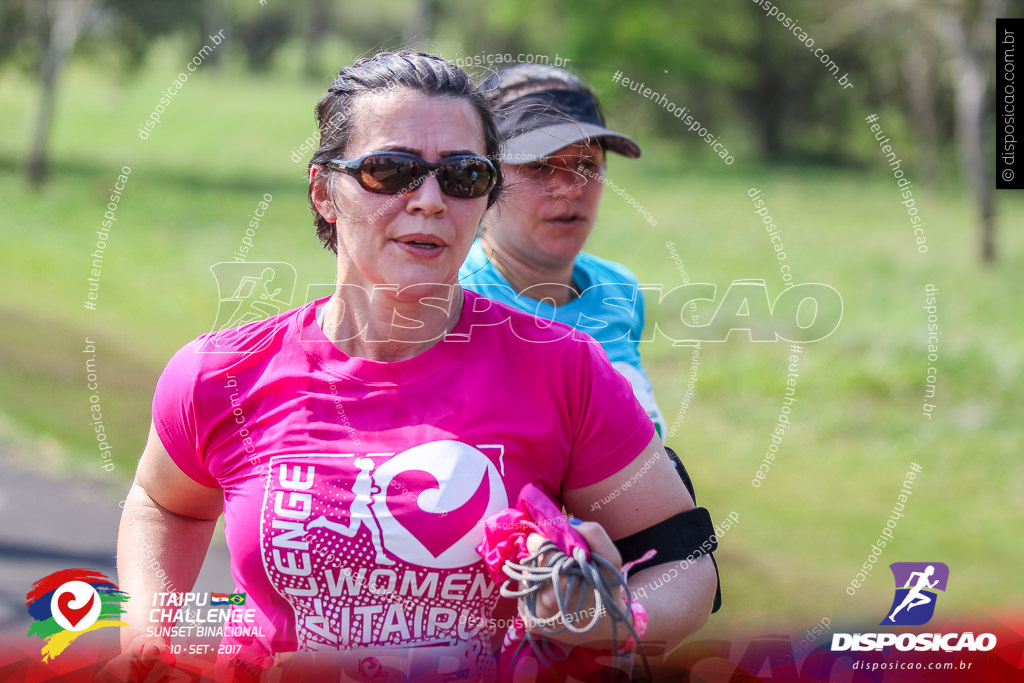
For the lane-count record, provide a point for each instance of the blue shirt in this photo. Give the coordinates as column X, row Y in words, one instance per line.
column 610, row 309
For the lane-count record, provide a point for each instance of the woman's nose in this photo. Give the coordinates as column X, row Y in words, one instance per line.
column 566, row 182
column 427, row 198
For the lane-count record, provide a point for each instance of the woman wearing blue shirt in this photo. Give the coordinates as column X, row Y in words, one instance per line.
column 530, row 252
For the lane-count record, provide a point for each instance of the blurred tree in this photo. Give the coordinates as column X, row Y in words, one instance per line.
column 262, row 33
column 130, row 27
column 40, row 35
column 319, row 22
column 792, row 102
column 898, row 68
column 919, row 71
column 953, row 48
column 349, row 30
column 732, row 67
column 968, row 29
column 661, row 44
column 57, row 24
column 419, row 23
column 215, row 18
column 801, row 107
column 13, row 33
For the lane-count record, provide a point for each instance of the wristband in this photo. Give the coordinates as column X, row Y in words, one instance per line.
column 639, row 624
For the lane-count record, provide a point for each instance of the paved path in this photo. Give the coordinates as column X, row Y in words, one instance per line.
column 48, row 524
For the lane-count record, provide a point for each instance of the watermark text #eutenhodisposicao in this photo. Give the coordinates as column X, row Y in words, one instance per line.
column 102, row 235
column 681, row 113
column 886, row 535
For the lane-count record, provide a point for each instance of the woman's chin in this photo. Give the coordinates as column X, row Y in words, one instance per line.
column 564, row 247
column 416, row 290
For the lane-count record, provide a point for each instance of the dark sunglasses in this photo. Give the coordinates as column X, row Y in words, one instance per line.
column 465, row 176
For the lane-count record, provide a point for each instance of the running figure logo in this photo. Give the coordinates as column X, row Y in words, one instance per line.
column 251, row 291
column 916, row 586
column 360, row 512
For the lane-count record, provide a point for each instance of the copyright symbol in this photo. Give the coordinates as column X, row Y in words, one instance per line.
column 1007, row 174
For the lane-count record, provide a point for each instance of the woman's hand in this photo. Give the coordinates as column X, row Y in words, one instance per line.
column 141, row 656
column 546, row 607
column 644, row 493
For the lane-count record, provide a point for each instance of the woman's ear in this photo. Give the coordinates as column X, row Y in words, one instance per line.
column 320, row 193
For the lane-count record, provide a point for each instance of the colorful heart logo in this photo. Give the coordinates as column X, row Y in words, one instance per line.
column 70, row 602
column 74, row 615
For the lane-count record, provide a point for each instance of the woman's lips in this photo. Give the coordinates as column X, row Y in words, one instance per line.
column 568, row 220
column 421, row 245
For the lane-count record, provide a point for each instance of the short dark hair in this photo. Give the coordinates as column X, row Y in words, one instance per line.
column 385, row 71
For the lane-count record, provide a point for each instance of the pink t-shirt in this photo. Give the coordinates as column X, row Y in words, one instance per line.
column 355, row 490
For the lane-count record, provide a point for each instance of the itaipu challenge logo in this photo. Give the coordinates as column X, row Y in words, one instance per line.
column 68, row 603
column 914, row 603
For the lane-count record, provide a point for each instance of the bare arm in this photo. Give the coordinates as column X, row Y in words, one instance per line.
column 165, row 530
column 638, row 499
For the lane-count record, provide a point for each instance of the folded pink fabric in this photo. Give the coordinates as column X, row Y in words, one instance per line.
column 504, row 539
column 505, row 532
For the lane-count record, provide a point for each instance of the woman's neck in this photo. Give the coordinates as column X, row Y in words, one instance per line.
column 377, row 326
column 555, row 283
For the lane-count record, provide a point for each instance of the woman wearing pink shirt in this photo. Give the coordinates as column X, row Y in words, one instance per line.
column 354, row 445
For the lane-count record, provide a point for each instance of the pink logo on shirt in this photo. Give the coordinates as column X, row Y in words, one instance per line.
column 437, row 531
column 379, row 549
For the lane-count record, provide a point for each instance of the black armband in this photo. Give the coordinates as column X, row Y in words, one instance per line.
column 686, row 536
column 681, row 471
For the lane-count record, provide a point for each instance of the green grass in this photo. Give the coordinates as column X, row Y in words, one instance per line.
column 225, row 140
